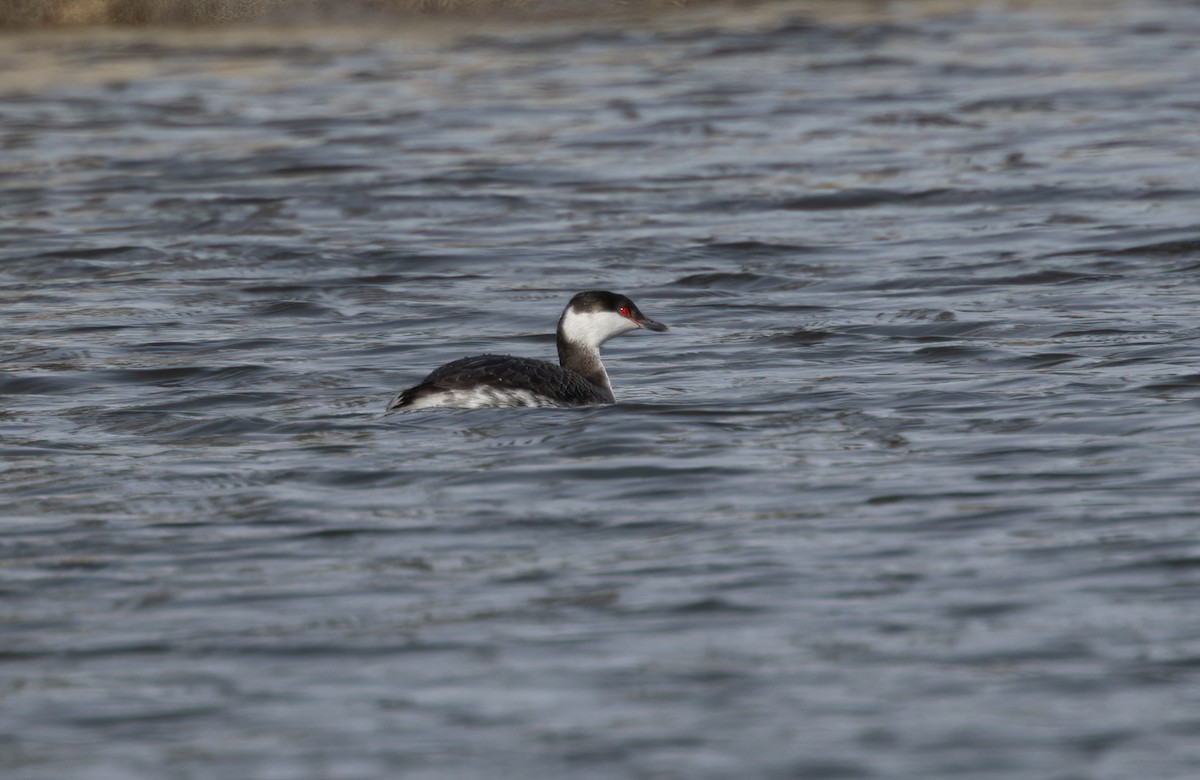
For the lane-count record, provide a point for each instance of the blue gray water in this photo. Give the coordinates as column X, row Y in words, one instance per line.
column 910, row 490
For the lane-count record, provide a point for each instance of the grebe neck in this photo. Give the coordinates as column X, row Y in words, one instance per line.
column 585, row 361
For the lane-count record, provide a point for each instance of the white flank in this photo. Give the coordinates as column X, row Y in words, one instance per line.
column 479, row 398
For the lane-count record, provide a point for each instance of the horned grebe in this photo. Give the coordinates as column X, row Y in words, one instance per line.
column 579, row 379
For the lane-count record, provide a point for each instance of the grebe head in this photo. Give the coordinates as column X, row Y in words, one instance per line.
column 594, row 317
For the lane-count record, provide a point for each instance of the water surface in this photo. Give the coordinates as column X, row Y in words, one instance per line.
column 909, row 489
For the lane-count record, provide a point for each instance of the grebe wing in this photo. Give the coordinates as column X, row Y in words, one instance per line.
column 505, row 372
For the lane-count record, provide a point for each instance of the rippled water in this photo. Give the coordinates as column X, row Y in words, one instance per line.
column 909, row 490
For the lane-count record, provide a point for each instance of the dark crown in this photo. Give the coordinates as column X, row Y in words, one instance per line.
column 599, row 300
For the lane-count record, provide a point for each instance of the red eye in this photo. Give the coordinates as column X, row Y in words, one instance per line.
column 623, row 311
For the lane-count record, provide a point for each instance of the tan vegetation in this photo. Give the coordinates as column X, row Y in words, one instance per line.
column 42, row 13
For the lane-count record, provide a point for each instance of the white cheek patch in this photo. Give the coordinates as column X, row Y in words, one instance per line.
column 593, row 328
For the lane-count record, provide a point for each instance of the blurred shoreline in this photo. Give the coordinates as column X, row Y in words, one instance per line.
column 19, row 15
column 44, row 50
